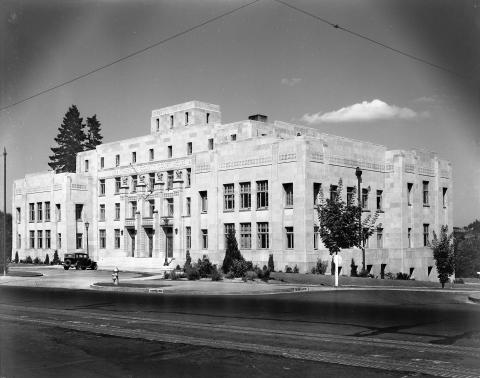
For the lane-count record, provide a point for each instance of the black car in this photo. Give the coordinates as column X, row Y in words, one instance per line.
column 78, row 261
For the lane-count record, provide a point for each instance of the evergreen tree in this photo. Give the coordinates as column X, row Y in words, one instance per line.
column 188, row 261
column 70, row 140
column 271, row 265
column 232, row 253
column 443, row 253
column 94, row 138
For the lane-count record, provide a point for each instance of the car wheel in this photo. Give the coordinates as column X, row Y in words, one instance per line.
column 66, row 267
column 84, row 267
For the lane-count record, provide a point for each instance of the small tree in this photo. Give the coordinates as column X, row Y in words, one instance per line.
column 232, row 252
column 93, row 137
column 271, row 266
column 353, row 269
column 56, row 260
column 443, row 253
column 16, row 257
column 47, row 260
column 188, row 261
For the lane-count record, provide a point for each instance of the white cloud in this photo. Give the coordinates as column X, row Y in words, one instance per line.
column 291, row 81
column 364, row 111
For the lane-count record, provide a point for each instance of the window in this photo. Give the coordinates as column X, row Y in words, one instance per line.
column 233, row 137
column 169, row 207
column 31, row 208
column 317, row 187
column 364, row 199
column 228, row 197
column 186, row 118
column 134, row 157
column 117, row 239
column 207, row 117
column 59, row 240
column 102, row 237
column 189, row 148
column 409, row 193
column 288, row 195
column 19, row 215
column 79, row 240
column 245, row 235
column 133, row 209
column 58, row 208
column 117, row 211
column 151, row 154
column 189, row 177
column 203, row 201
column 204, row 239
column 39, row 212
column 134, row 183
column 379, row 237
column 409, row 236
column 158, row 124
column 102, row 162
column 48, row 242
column 117, row 160
column 350, row 194
column 379, row 199
column 47, row 211
column 19, row 241
column 229, row 227
column 102, row 187
column 39, row 239
column 444, row 197
column 78, row 211
column 86, row 165
column 102, row 213
column 245, row 196
column 188, row 206
column 333, row 192
column 188, row 237
column 151, row 207
column 32, row 239
column 210, row 144
column 289, row 237
column 118, row 185
column 151, row 181
column 316, row 234
column 169, row 151
column 425, row 193
column 262, row 235
column 171, row 121
column 169, row 179
column 262, row 194
column 425, row 235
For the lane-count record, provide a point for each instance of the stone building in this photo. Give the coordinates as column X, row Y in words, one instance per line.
column 183, row 186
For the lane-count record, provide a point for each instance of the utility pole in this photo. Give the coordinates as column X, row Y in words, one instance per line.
column 4, row 211
column 358, row 173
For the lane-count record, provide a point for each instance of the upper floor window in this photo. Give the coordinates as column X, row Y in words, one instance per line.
column 169, row 151
column 151, row 154
column 187, row 116
column 426, row 235
column 151, row 181
column 78, row 211
column 31, row 208
column 228, row 197
column 379, row 199
column 86, row 165
column 134, row 183
column 317, row 187
column 189, row 148
column 117, row 160
column 444, row 197
column 288, row 194
column 409, row 193
column 19, row 215
column 102, row 187
column 133, row 209
column 210, row 144
column 59, row 212
column 102, row 212
column 103, row 238
column 102, row 162
column 188, row 181
column 245, row 196
column 117, row 211
column 134, row 157
column 39, row 212
column 118, row 184
column 158, row 124
column 333, row 192
column 169, row 207
column 188, row 207
column 262, row 194
column 365, row 199
column 171, row 121
column 425, row 193
column 207, row 117
column 169, row 179
column 409, row 237
column 203, row 201
column 47, row 211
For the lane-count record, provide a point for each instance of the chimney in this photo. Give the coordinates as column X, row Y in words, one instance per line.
column 258, row 117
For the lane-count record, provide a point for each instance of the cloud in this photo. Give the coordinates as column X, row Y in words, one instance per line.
column 362, row 112
column 291, row 81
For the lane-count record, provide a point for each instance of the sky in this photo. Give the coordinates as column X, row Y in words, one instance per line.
column 264, row 58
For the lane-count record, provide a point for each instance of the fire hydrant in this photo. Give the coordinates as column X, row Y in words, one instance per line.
column 115, row 276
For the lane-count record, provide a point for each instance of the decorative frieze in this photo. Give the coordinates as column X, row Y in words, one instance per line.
column 245, row 163
column 409, row 168
column 352, row 163
column 78, row 187
column 317, row 156
column 164, row 165
column 426, row 171
column 287, row 157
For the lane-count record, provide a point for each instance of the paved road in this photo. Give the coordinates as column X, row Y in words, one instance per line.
column 367, row 333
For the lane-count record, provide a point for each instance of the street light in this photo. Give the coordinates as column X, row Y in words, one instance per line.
column 358, row 173
column 86, row 228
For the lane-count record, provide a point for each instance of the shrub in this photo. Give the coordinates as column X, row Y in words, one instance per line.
column 188, row 261
column 230, row 275
column 389, row 276
column 166, row 275
column 22, row 261
column 28, row 260
column 56, row 260
column 295, row 269
column 402, row 276
column 320, row 267
column 232, row 252
column 288, row 269
column 47, row 260
column 250, row 275
column 216, row 275
column 16, row 257
column 353, row 269
column 174, row 276
column 192, row 273
column 178, row 267
column 271, row 266
column 240, row 267
column 204, row 267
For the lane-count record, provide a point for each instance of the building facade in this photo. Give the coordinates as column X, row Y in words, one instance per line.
column 183, row 186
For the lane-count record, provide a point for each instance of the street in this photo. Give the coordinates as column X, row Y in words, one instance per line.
column 58, row 332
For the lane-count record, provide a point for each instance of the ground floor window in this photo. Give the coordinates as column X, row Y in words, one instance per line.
column 32, row 239
column 245, row 235
column 79, row 240
column 59, row 240
column 39, row 239
column 379, row 237
column 316, row 235
column 289, row 237
column 204, row 239
column 229, row 227
column 262, row 235
column 103, row 237
column 117, row 239
column 47, row 239
column 188, row 237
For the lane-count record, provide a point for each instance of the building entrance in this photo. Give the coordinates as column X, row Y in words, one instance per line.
column 150, row 232
column 168, row 241
column 131, row 233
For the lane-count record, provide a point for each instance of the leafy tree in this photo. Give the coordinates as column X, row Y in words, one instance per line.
column 271, row 266
column 443, row 253
column 70, row 139
column 93, row 137
column 232, row 252
column 8, row 236
column 467, row 257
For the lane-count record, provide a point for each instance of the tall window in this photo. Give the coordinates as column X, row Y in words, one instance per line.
column 102, row 162
column 169, row 207
column 31, row 208
column 262, row 235
column 245, row 235
column 316, row 235
column 134, row 183
column 19, row 215
column 245, row 196
column 102, row 212
column 444, row 197
column 171, row 121
column 59, row 212
column 169, row 151
column 188, row 237
column 207, row 117
column 186, row 118
column 317, row 187
column 229, row 227
column 233, row 137
column 117, row 239
column 379, row 237
column 151, row 180
column 189, row 148
column 188, row 207
column 210, row 144
column 189, row 177
column 39, row 239
column 117, row 160
column 203, row 201
column 32, row 239
column 409, row 193
column 59, row 240
column 117, row 211
column 350, row 193
column 47, row 211
column 204, row 239
column 379, row 199
column 228, row 197
column 134, row 157
column 151, row 207
column 289, row 237
column 102, row 237
column 151, row 154
column 19, row 241
column 48, row 239
column 86, row 165
column 425, row 235
column 333, row 192
column 78, row 211
column 79, row 240
column 365, row 199
column 288, row 194
column 262, row 194
column 102, row 187
column 169, row 179
column 118, row 184
column 133, row 209
column 39, row 212
column 409, row 236
column 425, row 193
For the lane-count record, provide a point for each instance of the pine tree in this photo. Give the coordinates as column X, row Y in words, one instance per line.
column 94, row 138
column 231, row 253
column 70, row 140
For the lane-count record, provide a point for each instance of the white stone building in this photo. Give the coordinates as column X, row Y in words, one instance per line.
column 150, row 199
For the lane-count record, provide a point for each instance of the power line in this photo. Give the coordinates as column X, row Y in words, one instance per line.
column 336, row 26
column 167, row 39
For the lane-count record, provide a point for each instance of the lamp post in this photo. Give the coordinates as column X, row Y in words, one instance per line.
column 358, row 173
column 86, row 228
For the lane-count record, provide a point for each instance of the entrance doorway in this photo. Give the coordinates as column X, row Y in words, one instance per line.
column 132, row 233
column 169, row 241
column 150, row 232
